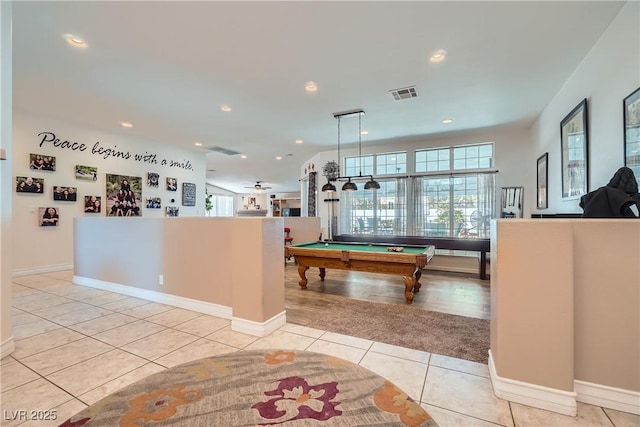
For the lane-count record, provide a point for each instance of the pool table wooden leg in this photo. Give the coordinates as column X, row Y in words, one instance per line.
column 322, row 273
column 408, row 288
column 302, row 271
column 417, row 274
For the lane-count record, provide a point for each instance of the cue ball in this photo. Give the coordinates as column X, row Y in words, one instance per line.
column 326, row 244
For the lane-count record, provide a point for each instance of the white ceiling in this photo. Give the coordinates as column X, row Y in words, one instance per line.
column 167, row 67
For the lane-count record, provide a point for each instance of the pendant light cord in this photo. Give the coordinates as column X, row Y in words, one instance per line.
column 360, row 143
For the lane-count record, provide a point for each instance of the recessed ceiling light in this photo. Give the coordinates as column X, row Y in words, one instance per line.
column 243, row 156
column 364, row 132
column 299, row 141
column 126, row 124
column 197, row 144
column 447, row 121
column 225, row 108
column 311, row 87
column 278, row 157
column 75, row 41
column 438, row 56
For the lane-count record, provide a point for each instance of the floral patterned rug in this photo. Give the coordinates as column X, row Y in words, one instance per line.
column 253, row 388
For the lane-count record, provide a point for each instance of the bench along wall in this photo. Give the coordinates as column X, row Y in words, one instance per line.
column 565, row 324
column 226, row 267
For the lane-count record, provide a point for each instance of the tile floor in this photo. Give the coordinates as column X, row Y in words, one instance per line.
column 75, row 345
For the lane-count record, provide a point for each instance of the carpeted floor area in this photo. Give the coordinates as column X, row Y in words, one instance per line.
column 402, row 325
column 261, row 387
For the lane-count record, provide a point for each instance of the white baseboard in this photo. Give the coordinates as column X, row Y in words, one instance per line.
column 256, row 328
column 550, row 399
column 177, row 301
column 40, row 270
column 608, row 397
column 6, row 347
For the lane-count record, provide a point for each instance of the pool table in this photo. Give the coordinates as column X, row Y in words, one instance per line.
column 372, row 258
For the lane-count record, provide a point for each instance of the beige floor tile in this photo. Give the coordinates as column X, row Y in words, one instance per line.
column 35, row 395
column 58, row 358
column 22, row 318
column 401, row 352
column 128, row 333
column 446, row 418
column 49, row 284
column 461, row 365
column 588, row 416
column 173, row 317
column 101, row 324
column 407, row 375
column 280, row 340
column 466, row 394
column 125, row 304
column 37, row 301
column 196, row 350
column 62, row 274
column 302, row 330
column 95, row 371
column 20, row 290
column 61, row 413
column 75, row 291
column 75, row 317
column 14, row 374
column 202, row 326
column 56, row 310
column 159, row 344
column 105, row 299
column 148, row 309
column 347, row 340
column 30, row 280
column 230, row 337
column 352, row 354
column 46, row 341
column 116, row 384
column 30, row 329
column 623, row 419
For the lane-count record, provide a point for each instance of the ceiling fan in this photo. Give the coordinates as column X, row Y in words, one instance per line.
column 259, row 186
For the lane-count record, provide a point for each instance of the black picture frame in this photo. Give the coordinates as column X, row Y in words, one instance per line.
column 542, row 180
column 574, row 149
column 631, row 130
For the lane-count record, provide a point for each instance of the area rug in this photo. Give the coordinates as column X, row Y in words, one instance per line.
column 403, row 325
column 252, row 388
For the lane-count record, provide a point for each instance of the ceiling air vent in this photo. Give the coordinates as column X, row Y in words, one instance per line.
column 404, row 93
column 222, row 150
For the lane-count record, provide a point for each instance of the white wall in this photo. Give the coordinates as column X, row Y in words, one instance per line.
column 609, row 73
column 512, row 155
column 6, row 234
column 38, row 248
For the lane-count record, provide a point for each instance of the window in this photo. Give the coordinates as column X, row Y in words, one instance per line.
column 355, row 165
column 222, row 205
column 433, row 160
column 446, row 197
column 391, row 163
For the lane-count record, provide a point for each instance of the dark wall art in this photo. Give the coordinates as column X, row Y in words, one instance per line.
column 65, row 194
column 574, row 133
column 172, row 184
column 27, row 184
column 42, row 162
column 124, row 195
column 188, row 194
column 154, row 203
column 48, row 217
column 631, row 112
column 92, row 204
column 87, row 173
column 153, row 179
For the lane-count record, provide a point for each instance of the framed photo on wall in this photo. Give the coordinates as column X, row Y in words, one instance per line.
column 28, row 184
column 631, row 115
column 542, row 198
column 512, row 200
column 42, row 162
column 574, row 135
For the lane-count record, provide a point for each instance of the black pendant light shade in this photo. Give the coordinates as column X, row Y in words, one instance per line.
column 329, row 188
column 349, row 186
column 372, row 185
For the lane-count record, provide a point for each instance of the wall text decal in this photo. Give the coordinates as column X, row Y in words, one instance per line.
column 105, row 152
